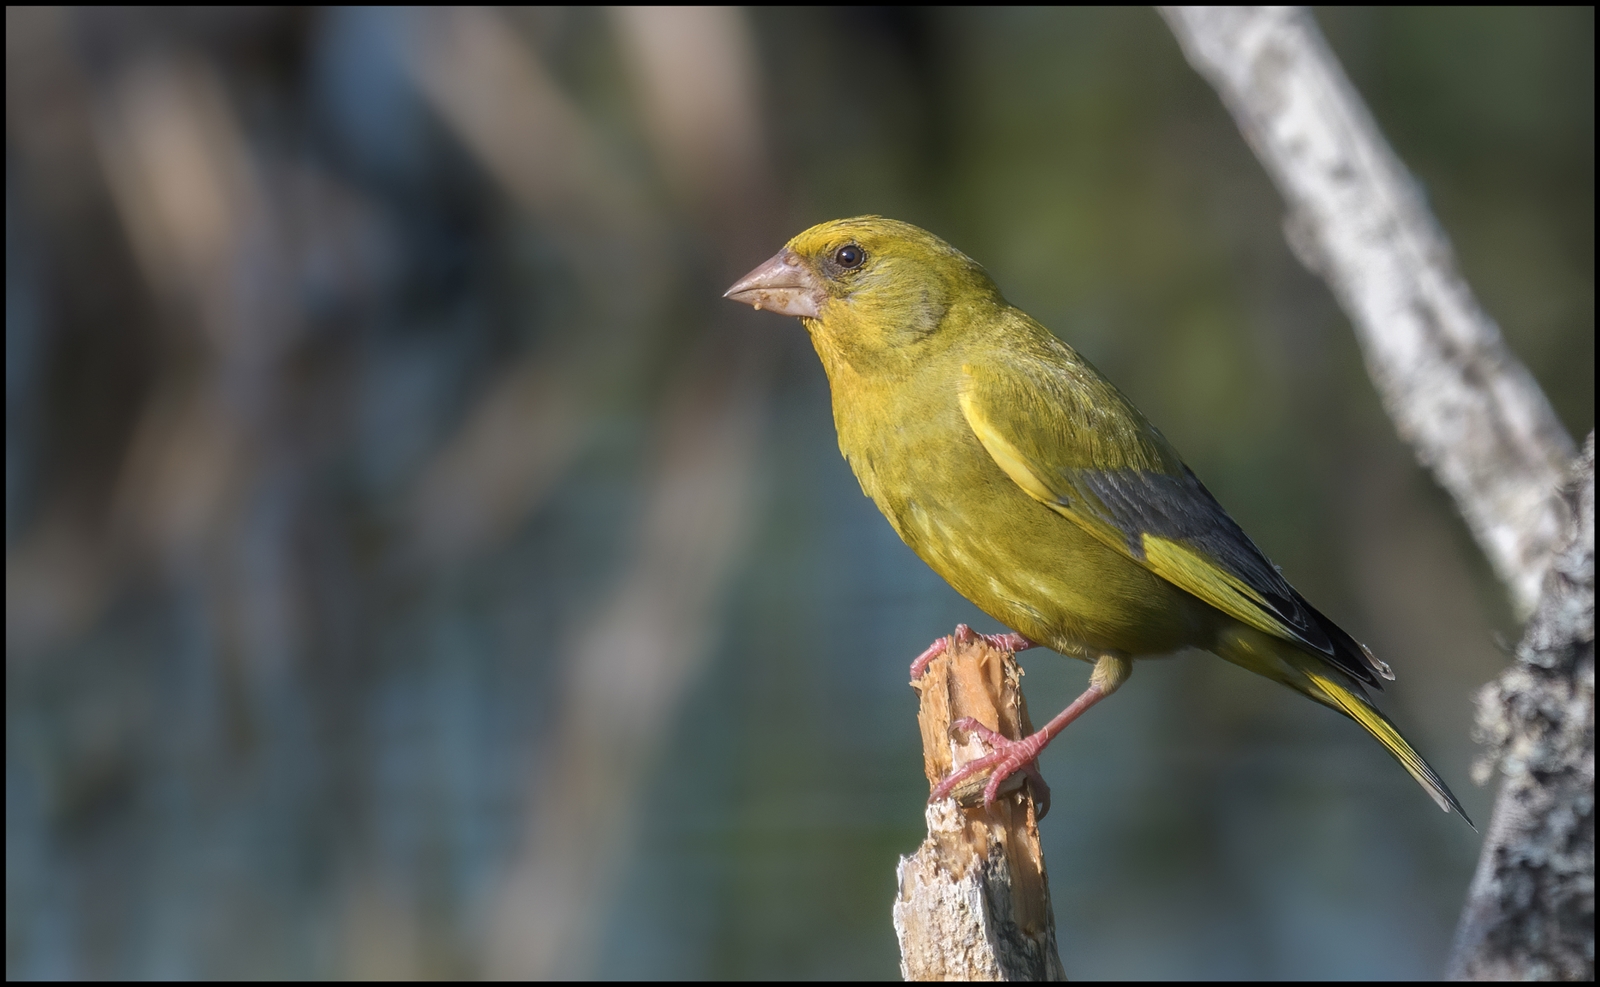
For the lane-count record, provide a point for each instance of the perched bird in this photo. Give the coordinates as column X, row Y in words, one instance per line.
column 1036, row 488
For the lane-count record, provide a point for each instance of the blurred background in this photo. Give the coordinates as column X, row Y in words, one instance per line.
column 415, row 569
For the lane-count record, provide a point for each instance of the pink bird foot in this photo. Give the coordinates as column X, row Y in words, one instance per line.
column 1007, row 757
column 1011, row 642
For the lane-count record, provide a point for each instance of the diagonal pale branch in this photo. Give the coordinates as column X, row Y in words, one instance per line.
column 1470, row 409
column 1478, row 420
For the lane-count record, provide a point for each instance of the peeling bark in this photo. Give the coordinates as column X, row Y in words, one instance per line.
column 974, row 900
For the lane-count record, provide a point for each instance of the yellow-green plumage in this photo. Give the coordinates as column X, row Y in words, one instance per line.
column 1031, row 484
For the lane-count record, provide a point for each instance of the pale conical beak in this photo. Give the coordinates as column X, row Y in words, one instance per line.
column 783, row 285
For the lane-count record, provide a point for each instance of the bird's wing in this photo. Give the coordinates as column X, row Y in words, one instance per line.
column 1065, row 435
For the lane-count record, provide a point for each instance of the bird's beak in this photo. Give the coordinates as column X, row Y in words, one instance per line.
column 783, row 285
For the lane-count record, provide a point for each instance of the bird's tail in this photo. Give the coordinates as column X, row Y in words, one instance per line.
column 1310, row 675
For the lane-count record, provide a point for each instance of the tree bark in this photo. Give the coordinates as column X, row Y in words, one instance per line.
column 974, row 900
column 1479, row 421
column 1469, row 408
column 1530, row 910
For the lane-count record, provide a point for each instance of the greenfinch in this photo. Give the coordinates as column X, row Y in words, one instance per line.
column 1021, row 475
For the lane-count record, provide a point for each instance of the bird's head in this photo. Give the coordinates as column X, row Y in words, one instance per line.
column 867, row 284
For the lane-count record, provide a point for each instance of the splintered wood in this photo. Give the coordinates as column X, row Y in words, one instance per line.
column 974, row 902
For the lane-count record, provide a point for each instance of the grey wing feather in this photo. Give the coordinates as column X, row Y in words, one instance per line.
column 1181, row 509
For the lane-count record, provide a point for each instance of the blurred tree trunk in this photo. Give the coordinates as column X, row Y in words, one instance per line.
column 1530, row 910
column 628, row 670
column 1478, row 420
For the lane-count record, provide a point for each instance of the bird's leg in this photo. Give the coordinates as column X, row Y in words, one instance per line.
column 1041, row 791
column 1010, row 756
column 1011, row 642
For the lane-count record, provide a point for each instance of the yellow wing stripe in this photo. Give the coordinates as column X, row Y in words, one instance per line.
column 1010, row 459
column 1177, row 564
column 1188, row 570
column 1015, row 465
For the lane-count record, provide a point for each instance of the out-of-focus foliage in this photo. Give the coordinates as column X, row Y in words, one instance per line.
column 414, row 568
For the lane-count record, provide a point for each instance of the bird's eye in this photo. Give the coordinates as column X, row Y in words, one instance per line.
column 849, row 256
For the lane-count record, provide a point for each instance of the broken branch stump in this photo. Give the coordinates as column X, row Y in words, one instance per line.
column 974, row 900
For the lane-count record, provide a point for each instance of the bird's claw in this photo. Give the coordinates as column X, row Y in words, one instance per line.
column 933, row 651
column 1010, row 642
column 1006, row 758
